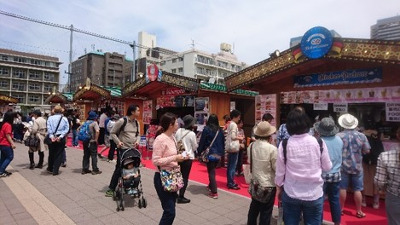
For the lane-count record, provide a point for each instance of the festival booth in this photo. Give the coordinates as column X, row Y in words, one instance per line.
column 90, row 97
column 7, row 102
column 330, row 76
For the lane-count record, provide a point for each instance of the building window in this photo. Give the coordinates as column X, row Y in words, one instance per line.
column 180, row 70
column 3, row 71
column 180, row 59
column 34, row 75
column 19, row 73
column 47, row 88
column 162, row 63
column 20, row 97
column 48, row 77
column 19, row 59
column 173, row 71
column 4, row 84
column 173, row 60
column 4, row 57
column 34, row 87
column 18, row 86
column 34, row 99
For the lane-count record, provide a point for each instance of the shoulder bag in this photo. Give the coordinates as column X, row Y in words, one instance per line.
column 47, row 139
column 258, row 192
column 230, row 145
column 32, row 141
column 171, row 180
column 204, row 156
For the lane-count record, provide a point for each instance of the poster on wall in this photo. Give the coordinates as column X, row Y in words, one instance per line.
column 392, row 112
column 201, row 111
column 147, row 111
column 265, row 104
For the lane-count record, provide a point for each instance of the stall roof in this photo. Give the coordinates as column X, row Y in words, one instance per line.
column 114, row 91
column 7, row 99
column 144, row 87
column 92, row 92
column 57, row 98
column 291, row 61
column 222, row 88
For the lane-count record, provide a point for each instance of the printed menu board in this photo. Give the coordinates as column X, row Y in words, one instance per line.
column 201, row 111
column 265, row 104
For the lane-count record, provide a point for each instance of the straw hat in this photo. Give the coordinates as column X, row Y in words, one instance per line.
column 264, row 129
column 348, row 121
column 326, row 127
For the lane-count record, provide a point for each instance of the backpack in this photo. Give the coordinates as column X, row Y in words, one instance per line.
column 179, row 144
column 123, row 127
column 376, row 149
column 284, row 144
column 84, row 134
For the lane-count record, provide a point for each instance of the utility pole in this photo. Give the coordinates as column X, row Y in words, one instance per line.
column 70, row 57
column 133, row 76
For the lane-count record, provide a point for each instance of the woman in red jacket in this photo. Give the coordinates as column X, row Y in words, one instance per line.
column 6, row 143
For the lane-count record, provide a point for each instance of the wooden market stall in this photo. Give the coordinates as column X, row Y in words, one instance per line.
column 7, row 102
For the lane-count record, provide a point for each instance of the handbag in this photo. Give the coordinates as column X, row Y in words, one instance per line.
column 204, row 156
column 179, row 144
column 231, row 146
column 32, row 141
column 258, row 192
column 171, row 180
column 47, row 140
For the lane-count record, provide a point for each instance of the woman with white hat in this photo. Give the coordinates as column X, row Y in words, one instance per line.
column 262, row 159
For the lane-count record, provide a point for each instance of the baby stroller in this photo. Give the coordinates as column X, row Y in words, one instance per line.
column 129, row 186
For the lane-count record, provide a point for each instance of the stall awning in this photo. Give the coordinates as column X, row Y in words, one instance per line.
column 115, row 92
column 222, row 88
column 4, row 99
column 144, row 87
column 91, row 92
column 292, row 61
column 56, row 98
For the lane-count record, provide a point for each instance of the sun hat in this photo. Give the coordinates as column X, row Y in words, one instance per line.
column 348, row 121
column 92, row 115
column 326, row 127
column 264, row 129
column 188, row 121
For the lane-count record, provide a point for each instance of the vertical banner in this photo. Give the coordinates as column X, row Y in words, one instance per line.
column 265, row 104
column 147, row 111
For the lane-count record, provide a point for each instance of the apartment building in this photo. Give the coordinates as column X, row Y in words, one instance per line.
column 386, row 29
column 30, row 78
column 104, row 69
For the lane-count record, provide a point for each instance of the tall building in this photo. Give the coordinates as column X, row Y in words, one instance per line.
column 104, row 69
column 386, row 29
column 30, row 78
column 192, row 63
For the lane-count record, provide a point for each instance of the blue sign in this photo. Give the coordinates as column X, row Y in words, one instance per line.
column 339, row 77
column 316, row 42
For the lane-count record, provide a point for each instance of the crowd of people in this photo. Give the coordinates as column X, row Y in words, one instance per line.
column 306, row 163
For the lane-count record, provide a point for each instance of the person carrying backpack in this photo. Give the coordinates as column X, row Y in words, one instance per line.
column 88, row 134
column 126, row 135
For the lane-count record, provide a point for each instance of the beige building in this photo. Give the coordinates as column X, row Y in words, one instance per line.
column 30, row 78
column 104, row 69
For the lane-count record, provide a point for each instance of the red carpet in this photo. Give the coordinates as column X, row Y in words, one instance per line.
column 199, row 174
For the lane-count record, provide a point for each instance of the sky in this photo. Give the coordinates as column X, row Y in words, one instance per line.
column 255, row 28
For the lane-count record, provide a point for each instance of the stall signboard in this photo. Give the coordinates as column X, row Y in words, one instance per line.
column 316, row 42
column 147, row 111
column 340, row 107
column 360, row 95
column 320, row 106
column 265, row 104
column 201, row 111
column 232, row 106
column 339, row 77
column 392, row 112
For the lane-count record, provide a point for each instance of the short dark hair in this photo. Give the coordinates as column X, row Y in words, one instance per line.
column 37, row 113
column 130, row 109
column 267, row 117
column 235, row 113
column 298, row 122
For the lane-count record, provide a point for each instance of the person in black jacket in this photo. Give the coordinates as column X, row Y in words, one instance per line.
column 212, row 130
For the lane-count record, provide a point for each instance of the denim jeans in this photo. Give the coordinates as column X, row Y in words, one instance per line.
column 332, row 191
column 232, row 161
column 292, row 208
column 7, row 155
column 167, row 199
column 75, row 138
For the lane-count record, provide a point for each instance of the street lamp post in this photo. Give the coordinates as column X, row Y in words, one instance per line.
column 133, row 76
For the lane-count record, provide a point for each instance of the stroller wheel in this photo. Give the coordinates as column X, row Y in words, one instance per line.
column 140, row 203
column 144, row 203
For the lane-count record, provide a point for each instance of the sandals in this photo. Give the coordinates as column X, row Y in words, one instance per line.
column 360, row 214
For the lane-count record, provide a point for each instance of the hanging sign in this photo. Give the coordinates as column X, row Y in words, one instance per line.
column 320, row 106
column 340, row 107
column 392, row 112
column 316, row 42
